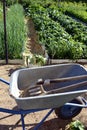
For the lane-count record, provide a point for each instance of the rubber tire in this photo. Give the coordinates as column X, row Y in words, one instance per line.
column 68, row 112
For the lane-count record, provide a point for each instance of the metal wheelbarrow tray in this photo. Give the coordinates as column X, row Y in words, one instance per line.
column 67, row 90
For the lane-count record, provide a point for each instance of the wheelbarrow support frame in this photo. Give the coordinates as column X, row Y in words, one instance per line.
column 24, row 112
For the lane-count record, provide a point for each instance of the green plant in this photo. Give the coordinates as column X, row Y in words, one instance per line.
column 57, row 41
column 40, row 60
column 1, row 12
column 75, row 9
column 76, row 125
column 36, row 59
column 11, row 2
column 77, row 30
column 16, row 31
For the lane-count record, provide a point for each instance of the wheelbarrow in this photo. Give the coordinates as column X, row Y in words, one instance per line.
column 54, row 87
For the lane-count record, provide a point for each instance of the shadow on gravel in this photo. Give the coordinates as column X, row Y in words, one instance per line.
column 53, row 124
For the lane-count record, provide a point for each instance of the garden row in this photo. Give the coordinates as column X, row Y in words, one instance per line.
column 57, row 41
column 74, row 28
column 16, row 32
column 78, row 10
column 62, row 36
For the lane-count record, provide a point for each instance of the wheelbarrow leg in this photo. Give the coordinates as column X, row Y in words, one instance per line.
column 23, row 124
column 41, row 122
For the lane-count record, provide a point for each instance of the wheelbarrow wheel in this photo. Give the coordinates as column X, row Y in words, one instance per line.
column 68, row 111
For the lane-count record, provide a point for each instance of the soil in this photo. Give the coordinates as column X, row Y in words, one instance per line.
column 12, row 122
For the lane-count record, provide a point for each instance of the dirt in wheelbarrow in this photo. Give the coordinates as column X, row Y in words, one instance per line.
column 13, row 122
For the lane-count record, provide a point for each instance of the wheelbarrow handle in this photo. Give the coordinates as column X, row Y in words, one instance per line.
column 67, row 88
column 48, row 81
column 4, row 81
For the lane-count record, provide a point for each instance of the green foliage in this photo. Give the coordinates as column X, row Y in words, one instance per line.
column 1, row 12
column 36, row 59
column 75, row 9
column 1, row 33
column 57, row 41
column 16, row 32
column 62, row 36
column 76, row 29
column 39, row 2
column 2, row 50
column 11, row 2
column 76, row 125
